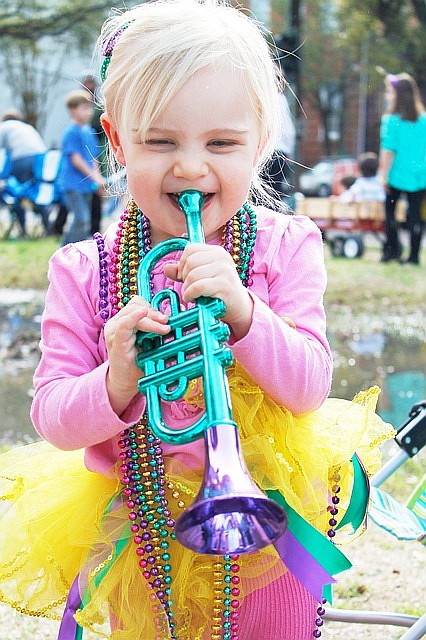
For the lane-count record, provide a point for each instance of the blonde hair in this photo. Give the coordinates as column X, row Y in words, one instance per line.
column 160, row 45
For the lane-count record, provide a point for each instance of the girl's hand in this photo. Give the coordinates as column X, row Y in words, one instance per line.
column 207, row 270
column 120, row 337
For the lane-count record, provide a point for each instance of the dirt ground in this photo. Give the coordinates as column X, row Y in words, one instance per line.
column 387, row 575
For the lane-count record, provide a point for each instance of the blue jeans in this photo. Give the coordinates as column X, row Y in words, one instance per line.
column 79, row 207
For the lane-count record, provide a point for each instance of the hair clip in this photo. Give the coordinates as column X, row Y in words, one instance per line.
column 392, row 79
column 107, row 48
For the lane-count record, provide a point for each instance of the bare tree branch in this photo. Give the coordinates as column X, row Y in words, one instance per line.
column 35, row 36
column 47, row 21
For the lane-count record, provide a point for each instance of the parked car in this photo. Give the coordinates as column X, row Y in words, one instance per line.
column 323, row 179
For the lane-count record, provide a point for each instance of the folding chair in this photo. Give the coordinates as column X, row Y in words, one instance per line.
column 42, row 192
column 404, row 522
column 44, row 189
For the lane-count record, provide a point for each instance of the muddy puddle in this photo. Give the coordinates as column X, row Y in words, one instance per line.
column 368, row 351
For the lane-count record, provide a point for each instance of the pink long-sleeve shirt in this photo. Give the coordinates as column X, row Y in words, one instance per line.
column 71, row 408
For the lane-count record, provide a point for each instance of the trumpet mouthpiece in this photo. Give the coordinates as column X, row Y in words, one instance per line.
column 191, row 200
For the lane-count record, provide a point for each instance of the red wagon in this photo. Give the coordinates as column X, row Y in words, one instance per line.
column 344, row 224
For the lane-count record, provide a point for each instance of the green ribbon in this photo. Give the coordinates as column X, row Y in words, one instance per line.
column 355, row 513
column 118, row 548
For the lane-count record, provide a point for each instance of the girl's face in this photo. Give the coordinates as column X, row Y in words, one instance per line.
column 207, row 139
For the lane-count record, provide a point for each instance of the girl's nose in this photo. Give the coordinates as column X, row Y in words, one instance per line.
column 190, row 166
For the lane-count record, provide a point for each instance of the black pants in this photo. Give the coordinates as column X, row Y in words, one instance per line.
column 415, row 224
column 61, row 218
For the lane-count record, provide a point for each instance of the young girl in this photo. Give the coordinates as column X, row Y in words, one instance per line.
column 191, row 102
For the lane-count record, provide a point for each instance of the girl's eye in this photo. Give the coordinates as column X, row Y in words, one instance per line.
column 158, row 142
column 222, row 143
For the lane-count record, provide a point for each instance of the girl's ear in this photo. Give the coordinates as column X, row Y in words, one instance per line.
column 113, row 138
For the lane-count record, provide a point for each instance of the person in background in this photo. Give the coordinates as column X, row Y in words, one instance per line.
column 345, row 184
column 368, row 186
column 80, row 174
column 90, row 83
column 24, row 143
column 403, row 162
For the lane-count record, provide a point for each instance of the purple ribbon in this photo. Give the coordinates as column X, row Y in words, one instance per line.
column 302, row 564
column 68, row 628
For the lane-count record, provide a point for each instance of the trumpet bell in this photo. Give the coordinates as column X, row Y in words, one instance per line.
column 231, row 524
column 230, row 515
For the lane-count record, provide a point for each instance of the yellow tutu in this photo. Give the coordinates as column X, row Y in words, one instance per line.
column 56, row 528
column 64, row 520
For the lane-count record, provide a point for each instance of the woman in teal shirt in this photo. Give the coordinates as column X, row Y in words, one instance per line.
column 403, row 162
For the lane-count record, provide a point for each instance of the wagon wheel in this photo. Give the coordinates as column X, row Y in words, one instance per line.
column 353, row 247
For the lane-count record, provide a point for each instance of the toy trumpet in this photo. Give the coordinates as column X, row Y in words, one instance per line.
column 230, row 514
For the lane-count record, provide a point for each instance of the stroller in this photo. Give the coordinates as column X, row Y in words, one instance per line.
column 42, row 192
column 405, row 522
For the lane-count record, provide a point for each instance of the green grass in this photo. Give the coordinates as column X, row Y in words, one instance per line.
column 23, row 263
column 365, row 285
column 368, row 286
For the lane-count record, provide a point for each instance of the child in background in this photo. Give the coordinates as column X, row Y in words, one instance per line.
column 367, row 187
column 346, row 182
column 91, row 84
column 80, row 174
column 191, row 102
